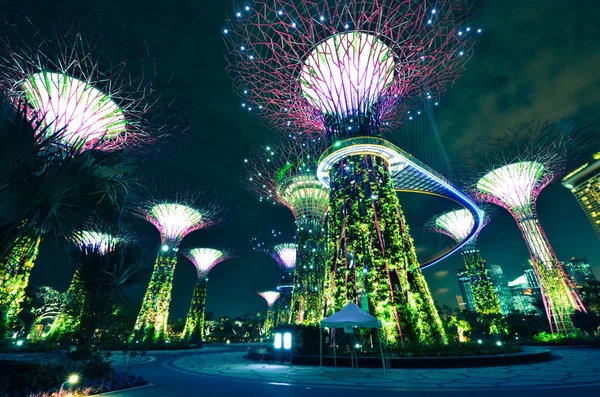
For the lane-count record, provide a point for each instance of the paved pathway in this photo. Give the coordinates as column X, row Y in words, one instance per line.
column 220, row 371
column 571, row 366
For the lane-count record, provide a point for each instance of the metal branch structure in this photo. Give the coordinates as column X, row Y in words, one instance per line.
column 285, row 254
column 204, row 259
column 176, row 214
column 271, row 297
column 349, row 70
column 457, row 225
column 71, row 80
column 511, row 171
column 71, row 84
column 286, row 174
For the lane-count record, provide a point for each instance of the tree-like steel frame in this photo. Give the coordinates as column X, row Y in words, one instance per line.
column 286, row 174
column 350, row 69
column 510, row 171
column 176, row 210
column 70, row 78
column 204, row 259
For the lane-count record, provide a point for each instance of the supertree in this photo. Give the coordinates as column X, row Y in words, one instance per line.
column 204, row 259
column 70, row 83
column 67, row 320
column 72, row 80
column 176, row 212
column 271, row 297
column 511, row 171
column 457, row 224
column 285, row 255
column 349, row 70
column 286, row 174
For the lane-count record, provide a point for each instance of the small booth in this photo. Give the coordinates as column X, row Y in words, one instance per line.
column 354, row 317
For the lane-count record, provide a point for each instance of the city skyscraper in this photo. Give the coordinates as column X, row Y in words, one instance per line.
column 466, row 290
column 579, row 271
column 584, row 183
column 522, row 296
column 461, row 302
column 501, row 287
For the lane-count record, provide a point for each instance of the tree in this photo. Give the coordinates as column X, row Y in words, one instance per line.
column 47, row 190
column 104, row 279
column 587, row 322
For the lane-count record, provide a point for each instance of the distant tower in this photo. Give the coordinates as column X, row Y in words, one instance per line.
column 175, row 216
column 464, row 284
column 511, row 171
column 523, row 299
column 457, row 225
column 461, row 302
column 204, row 259
column 580, row 272
column 271, row 297
column 500, row 284
column 584, row 183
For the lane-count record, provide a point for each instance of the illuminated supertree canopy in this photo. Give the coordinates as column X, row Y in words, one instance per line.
column 345, row 65
column 204, row 259
column 175, row 220
column 455, row 224
column 511, row 171
column 286, row 174
column 350, row 70
column 285, row 255
column 72, row 80
column 269, row 296
column 92, row 238
column 176, row 212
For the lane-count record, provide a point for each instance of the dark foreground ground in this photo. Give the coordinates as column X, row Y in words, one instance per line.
column 220, row 371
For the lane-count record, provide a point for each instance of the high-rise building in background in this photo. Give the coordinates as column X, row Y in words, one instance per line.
column 464, row 283
column 524, row 300
column 584, row 183
column 461, row 302
column 501, row 287
column 579, row 271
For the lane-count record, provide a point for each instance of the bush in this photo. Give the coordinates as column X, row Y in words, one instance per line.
column 455, row 349
column 20, row 379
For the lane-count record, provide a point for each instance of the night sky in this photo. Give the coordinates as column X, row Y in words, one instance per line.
column 535, row 60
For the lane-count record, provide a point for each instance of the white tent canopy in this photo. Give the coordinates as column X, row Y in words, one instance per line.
column 350, row 316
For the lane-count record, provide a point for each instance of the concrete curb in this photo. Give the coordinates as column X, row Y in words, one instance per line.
column 121, row 390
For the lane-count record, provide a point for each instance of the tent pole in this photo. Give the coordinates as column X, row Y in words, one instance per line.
column 334, row 349
column 381, row 350
column 321, row 348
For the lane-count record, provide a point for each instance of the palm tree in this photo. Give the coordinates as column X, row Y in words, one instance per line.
column 46, row 191
column 104, row 277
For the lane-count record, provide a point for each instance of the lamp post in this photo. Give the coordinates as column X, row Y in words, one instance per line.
column 71, row 380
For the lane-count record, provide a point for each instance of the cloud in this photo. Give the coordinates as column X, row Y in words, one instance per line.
column 441, row 273
column 524, row 68
column 442, row 291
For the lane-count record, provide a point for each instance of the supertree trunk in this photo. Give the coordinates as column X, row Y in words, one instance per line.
column 194, row 324
column 269, row 321
column 486, row 300
column 309, row 272
column 284, row 307
column 151, row 322
column 15, row 277
column 558, row 294
column 69, row 318
column 371, row 253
